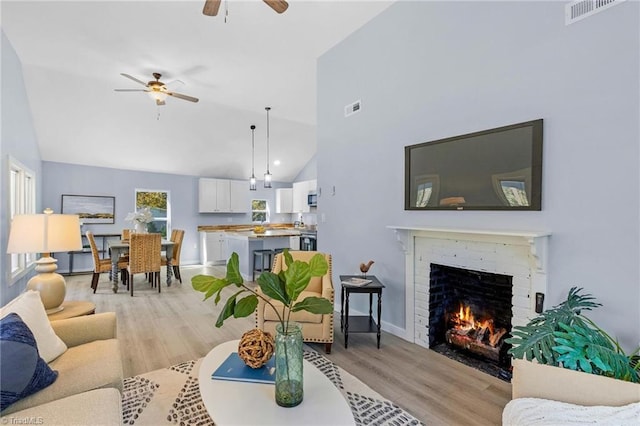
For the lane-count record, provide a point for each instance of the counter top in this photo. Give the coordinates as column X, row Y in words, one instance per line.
column 269, row 233
column 243, row 227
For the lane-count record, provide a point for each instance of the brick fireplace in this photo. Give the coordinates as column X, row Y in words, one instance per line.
column 521, row 255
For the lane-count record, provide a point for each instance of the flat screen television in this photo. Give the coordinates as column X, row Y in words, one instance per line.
column 496, row 169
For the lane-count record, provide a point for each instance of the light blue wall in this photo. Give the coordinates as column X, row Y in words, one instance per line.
column 309, row 171
column 18, row 141
column 63, row 178
column 430, row 70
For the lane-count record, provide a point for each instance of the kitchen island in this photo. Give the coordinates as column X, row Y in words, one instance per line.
column 245, row 242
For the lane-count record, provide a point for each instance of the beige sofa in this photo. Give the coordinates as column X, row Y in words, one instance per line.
column 87, row 390
column 544, row 394
column 316, row 328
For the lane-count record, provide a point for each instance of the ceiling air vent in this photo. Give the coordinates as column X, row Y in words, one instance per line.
column 352, row 108
column 580, row 9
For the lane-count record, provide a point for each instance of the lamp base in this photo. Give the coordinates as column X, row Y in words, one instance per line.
column 51, row 285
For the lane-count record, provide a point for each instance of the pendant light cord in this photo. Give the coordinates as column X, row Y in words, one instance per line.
column 253, row 150
column 268, row 108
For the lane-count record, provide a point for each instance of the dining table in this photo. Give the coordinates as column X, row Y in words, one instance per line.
column 121, row 247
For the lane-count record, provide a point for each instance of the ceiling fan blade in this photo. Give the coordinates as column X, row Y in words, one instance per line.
column 278, row 5
column 130, row 90
column 185, row 97
column 211, row 7
column 133, row 78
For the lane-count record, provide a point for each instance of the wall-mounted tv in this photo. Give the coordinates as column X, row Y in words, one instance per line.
column 497, row 169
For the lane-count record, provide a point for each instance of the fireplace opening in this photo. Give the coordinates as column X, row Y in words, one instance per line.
column 470, row 316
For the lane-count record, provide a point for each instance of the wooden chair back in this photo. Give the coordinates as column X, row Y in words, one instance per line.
column 144, row 253
column 94, row 251
column 125, row 234
column 177, row 235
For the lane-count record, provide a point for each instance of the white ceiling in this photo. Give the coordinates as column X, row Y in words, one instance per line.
column 73, row 52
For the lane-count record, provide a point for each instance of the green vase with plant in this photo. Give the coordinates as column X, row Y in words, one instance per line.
column 285, row 287
column 563, row 336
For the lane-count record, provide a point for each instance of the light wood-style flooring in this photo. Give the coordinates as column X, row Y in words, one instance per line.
column 159, row 330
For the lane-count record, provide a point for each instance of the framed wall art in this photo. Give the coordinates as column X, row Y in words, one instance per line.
column 90, row 208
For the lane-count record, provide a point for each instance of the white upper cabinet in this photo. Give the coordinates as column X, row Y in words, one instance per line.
column 223, row 196
column 301, row 192
column 284, row 200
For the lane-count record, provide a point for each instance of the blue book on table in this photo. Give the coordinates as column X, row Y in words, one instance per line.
column 234, row 368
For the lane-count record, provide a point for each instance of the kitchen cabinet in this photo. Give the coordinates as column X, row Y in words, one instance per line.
column 223, row 196
column 284, row 200
column 213, row 248
column 301, row 192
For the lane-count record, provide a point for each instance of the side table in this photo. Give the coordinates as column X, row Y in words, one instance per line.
column 360, row 323
column 72, row 309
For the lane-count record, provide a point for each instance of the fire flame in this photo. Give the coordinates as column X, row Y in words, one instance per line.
column 464, row 320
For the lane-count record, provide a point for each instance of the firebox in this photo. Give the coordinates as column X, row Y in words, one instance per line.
column 470, row 317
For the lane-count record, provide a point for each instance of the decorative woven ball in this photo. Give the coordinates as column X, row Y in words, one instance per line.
column 256, row 347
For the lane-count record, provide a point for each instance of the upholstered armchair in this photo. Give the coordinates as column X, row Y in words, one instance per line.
column 316, row 328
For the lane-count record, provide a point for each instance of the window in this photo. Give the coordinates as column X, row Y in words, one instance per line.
column 158, row 202
column 22, row 200
column 259, row 211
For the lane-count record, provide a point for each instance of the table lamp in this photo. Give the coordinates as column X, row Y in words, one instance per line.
column 46, row 233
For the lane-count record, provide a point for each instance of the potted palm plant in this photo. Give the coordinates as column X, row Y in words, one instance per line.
column 563, row 336
column 284, row 287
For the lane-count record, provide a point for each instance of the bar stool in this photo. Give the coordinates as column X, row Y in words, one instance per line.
column 262, row 255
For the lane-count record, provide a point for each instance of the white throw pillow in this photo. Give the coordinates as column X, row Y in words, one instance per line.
column 30, row 308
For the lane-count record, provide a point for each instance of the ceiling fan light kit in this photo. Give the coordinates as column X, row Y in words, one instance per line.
column 267, row 175
column 156, row 89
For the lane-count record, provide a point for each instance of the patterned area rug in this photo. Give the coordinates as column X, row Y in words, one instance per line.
column 172, row 396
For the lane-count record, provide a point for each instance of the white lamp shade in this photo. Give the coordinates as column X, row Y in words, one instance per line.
column 44, row 233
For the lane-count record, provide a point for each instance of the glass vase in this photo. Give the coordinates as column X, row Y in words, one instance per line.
column 289, row 386
column 140, row 228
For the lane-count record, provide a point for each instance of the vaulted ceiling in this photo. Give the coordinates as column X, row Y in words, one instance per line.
column 72, row 54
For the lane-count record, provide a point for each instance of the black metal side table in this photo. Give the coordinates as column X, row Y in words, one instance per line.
column 360, row 323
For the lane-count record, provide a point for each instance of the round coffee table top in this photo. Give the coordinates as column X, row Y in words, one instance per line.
column 241, row 403
column 72, row 309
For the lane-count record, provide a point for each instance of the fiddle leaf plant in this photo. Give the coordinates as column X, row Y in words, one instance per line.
column 564, row 337
column 285, row 287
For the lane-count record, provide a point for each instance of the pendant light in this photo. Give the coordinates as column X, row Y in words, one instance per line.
column 252, row 181
column 267, row 175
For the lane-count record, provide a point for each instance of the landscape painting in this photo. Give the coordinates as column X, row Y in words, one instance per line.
column 90, row 208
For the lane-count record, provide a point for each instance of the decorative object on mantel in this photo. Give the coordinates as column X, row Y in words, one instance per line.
column 284, row 287
column 256, row 347
column 252, row 180
column 140, row 219
column 563, row 337
column 267, row 175
column 364, row 268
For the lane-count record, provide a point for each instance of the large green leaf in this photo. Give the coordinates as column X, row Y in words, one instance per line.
column 313, row 304
column 208, row 285
column 227, row 311
column 297, row 277
column 233, row 270
column 318, row 265
column 272, row 286
column 245, row 306
column 288, row 259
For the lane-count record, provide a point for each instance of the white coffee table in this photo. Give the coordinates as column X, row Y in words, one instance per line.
column 239, row 403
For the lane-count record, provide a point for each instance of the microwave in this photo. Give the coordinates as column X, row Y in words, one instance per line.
column 312, row 200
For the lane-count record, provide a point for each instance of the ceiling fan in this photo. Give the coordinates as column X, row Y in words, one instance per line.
column 211, row 7
column 156, row 89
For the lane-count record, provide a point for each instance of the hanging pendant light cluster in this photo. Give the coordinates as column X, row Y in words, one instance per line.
column 252, row 180
column 267, row 175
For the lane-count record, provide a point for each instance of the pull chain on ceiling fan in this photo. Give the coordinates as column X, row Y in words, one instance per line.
column 211, row 7
column 156, row 89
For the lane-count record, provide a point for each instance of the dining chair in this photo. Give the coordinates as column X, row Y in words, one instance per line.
column 125, row 234
column 177, row 235
column 144, row 257
column 103, row 265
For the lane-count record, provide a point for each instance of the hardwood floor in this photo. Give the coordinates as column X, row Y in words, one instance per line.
column 159, row 330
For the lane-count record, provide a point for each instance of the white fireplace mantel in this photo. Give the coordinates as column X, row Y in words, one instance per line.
column 521, row 254
column 537, row 240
